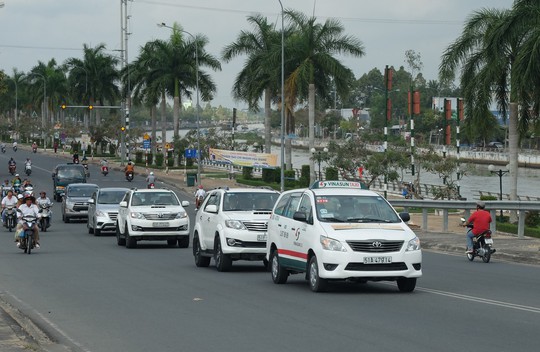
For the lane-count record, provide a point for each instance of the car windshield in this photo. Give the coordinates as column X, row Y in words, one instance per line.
column 82, row 191
column 245, row 201
column 70, row 173
column 349, row 208
column 111, row 197
column 154, row 198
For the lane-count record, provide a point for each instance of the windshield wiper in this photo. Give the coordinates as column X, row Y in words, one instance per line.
column 367, row 220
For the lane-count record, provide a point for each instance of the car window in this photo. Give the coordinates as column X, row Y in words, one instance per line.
column 111, row 197
column 70, row 173
column 333, row 208
column 305, row 206
column 213, row 199
column 243, row 201
column 281, row 207
column 81, row 191
column 292, row 206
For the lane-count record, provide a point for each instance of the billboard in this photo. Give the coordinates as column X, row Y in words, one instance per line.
column 243, row 158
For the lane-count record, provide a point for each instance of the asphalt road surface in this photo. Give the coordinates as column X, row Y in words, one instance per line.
column 92, row 295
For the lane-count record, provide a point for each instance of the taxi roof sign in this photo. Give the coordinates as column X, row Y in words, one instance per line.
column 338, row 184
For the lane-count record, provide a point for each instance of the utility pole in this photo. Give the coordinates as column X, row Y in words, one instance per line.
column 126, row 102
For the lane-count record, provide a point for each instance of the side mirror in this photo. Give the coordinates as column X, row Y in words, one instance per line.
column 91, row 201
column 212, row 208
column 300, row 216
column 185, row 203
column 123, row 204
column 405, row 216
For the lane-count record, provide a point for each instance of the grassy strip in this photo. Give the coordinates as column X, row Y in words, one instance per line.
column 513, row 228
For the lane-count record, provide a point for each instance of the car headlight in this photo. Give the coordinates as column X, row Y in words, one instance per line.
column 100, row 213
column 181, row 215
column 331, row 244
column 413, row 245
column 136, row 215
column 235, row 224
column 69, row 203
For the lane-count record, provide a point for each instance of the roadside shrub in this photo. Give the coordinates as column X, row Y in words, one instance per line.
column 331, row 173
column 268, row 175
column 277, row 175
column 290, row 178
column 138, row 157
column 488, row 198
column 150, row 158
column 247, row 172
column 159, row 160
column 170, row 158
column 304, row 176
column 532, row 219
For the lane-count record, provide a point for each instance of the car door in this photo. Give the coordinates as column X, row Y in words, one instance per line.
column 92, row 209
column 208, row 220
column 123, row 211
column 286, row 226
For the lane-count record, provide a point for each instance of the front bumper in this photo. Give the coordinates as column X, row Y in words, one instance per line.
column 243, row 242
column 153, row 230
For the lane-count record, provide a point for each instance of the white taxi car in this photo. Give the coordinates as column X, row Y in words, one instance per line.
column 337, row 231
column 231, row 225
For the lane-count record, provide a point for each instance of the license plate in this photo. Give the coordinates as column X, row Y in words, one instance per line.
column 489, row 240
column 160, row 224
column 262, row 237
column 377, row 260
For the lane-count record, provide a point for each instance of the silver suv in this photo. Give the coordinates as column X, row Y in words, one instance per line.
column 152, row 215
column 103, row 209
column 75, row 200
column 231, row 225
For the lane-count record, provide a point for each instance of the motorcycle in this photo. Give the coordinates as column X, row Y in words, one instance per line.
column 14, row 148
column 26, row 237
column 129, row 176
column 198, row 202
column 34, row 150
column 12, row 169
column 45, row 220
column 11, row 217
column 86, row 170
column 28, row 169
column 104, row 170
column 3, row 149
column 151, row 185
column 482, row 245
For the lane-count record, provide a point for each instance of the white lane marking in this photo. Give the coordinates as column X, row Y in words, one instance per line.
column 481, row 300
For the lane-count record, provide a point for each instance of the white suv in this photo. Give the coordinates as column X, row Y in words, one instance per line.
column 337, row 231
column 231, row 225
column 153, row 215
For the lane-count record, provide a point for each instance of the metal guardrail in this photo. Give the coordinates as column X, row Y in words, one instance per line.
column 493, row 206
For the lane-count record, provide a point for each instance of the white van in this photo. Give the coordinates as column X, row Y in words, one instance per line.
column 337, row 231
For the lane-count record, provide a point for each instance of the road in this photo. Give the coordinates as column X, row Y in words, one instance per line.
column 91, row 295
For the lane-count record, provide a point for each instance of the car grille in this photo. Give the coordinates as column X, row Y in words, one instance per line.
column 256, row 226
column 249, row 244
column 160, row 216
column 398, row 266
column 80, row 206
column 375, row 246
column 113, row 215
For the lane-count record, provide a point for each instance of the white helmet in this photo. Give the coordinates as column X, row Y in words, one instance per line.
column 151, row 172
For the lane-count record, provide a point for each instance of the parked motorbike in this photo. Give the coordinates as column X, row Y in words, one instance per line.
column 104, row 170
column 482, row 245
column 27, row 169
column 129, row 176
column 11, row 217
column 45, row 220
column 12, row 169
column 26, row 238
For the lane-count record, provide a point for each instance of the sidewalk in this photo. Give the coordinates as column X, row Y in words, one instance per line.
column 15, row 338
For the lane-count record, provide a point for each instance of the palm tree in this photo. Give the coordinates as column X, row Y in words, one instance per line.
column 310, row 58
column 257, row 77
column 487, row 51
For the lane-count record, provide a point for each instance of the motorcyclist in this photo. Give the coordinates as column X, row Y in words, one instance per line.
column 43, row 200
column 34, row 145
column 151, row 178
column 129, row 168
column 8, row 200
column 29, row 208
column 75, row 158
column 12, row 163
column 199, row 196
column 6, row 186
column 481, row 219
column 3, row 146
column 16, row 183
column 14, row 145
column 27, row 186
column 27, row 163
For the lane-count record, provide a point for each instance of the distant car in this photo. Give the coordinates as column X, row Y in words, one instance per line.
column 103, row 209
column 63, row 175
column 495, row 145
column 75, row 200
column 231, row 225
column 152, row 215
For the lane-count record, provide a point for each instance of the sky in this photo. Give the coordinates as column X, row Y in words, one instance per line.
column 39, row 30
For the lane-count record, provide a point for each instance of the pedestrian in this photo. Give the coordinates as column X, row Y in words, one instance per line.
column 55, row 146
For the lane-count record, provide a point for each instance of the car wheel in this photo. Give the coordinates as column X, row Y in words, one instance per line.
column 316, row 283
column 200, row 260
column 223, row 261
column 183, row 242
column 172, row 243
column 130, row 241
column 406, row 284
column 279, row 274
column 121, row 241
column 97, row 232
column 65, row 218
column 90, row 229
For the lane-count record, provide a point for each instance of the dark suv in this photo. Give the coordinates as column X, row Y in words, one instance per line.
column 65, row 174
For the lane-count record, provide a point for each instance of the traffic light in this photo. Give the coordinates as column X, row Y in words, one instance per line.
column 123, row 129
column 63, row 106
column 90, row 107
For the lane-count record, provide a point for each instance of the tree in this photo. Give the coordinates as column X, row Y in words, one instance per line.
column 261, row 71
column 310, row 52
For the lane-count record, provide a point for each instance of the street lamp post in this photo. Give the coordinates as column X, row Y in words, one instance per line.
column 162, row 24
column 499, row 173
column 282, row 176
column 43, row 116
column 319, row 156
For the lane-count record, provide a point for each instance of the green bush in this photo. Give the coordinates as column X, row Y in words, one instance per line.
column 159, row 160
column 139, row 157
column 150, row 158
column 268, row 175
column 331, row 173
column 304, row 177
column 532, row 219
column 290, row 178
column 170, row 158
column 247, row 172
column 277, row 175
column 513, row 228
column 112, row 149
column 488, row 198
